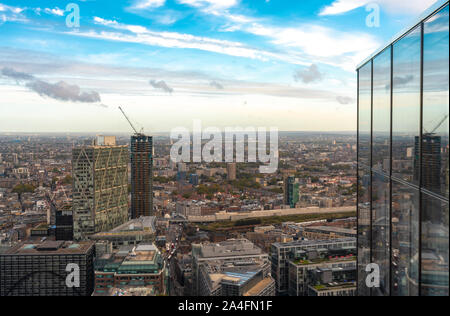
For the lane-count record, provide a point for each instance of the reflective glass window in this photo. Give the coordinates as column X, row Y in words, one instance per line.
column 381, row 151
column 405, row 240
column 365, row 114
column 436, row 103
column 381, row 229
column 406, row 107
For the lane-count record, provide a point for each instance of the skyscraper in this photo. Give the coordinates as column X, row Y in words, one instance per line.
column 403, row 109
column 141, row 176
column 100, row 188
column 291, row 192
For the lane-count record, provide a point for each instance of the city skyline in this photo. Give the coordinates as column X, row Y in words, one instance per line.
column 228, row 63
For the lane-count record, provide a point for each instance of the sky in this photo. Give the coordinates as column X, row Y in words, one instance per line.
column 288, row 64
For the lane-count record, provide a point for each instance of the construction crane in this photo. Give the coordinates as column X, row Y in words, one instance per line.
column 129, row 121
column 439, row 125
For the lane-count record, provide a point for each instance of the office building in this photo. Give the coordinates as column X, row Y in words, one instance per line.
column 129, row 269
column 403, row 130
column 132, row 233
column 141, row 176
column 39, row 269
column 291, row 192
column 100, row 188
column 64, row 223
column 282, row 253
column 230, row 268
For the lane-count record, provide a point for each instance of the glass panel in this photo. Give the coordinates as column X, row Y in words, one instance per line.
column 382, row 112
column 365, row 114
column 406, row 107
column 436, row 103
column 405, row 240
column 434, row 247
column 380, row 229
column 363, row 229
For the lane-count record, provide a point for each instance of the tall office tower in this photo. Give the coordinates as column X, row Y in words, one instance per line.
column 100, row 188
column 41, row 269
column 141, row 176
column 431, row 161
column 291, row 192
column 403, row 206
column 231, row 171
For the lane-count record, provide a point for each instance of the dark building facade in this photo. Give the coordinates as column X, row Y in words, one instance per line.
column 39, row 269
column 141, row 176
column 403, row 131
column 64, row 224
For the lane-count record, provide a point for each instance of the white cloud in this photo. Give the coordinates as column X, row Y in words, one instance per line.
column 145, row 4
column 393, row 6
column 142, row 35
column 11, row 14
column 55, row 11
column 210, row 4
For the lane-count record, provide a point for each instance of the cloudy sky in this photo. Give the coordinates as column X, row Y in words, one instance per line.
column 264, row 63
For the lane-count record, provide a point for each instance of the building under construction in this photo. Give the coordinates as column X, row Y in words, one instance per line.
column 100, row 190
column 141, row 176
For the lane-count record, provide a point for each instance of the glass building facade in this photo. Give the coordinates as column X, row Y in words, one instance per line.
column 403, row 166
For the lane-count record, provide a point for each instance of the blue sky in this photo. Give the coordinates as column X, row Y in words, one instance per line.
column 269, row 63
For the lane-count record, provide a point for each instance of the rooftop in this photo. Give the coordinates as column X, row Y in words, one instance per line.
column 50, row 248
column 232, row 247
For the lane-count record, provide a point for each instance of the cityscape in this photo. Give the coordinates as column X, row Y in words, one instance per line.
column 164, row 152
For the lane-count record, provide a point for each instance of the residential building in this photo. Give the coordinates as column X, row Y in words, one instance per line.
column 141, row 176
column 232, row 267
column 282, row 253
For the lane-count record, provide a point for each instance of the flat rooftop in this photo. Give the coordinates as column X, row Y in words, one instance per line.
column 232, row 247
column 332, row 229
column 261, row 285
column 305, row 243
column 50, row 248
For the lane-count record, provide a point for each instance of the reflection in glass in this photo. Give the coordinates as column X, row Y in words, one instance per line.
column 380, row 229
column 405, row 240
column 365, row 114
column 363, row 229
column 382, row 112
column 406, row 106
column 436, row 104
column 434, row 247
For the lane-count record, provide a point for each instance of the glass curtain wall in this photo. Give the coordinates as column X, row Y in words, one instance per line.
column 403, row 165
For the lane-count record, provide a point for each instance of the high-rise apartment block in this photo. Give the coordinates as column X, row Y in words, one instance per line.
column 291, row 192
column 141, row 176
column 403, row 134
column 100, row 188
